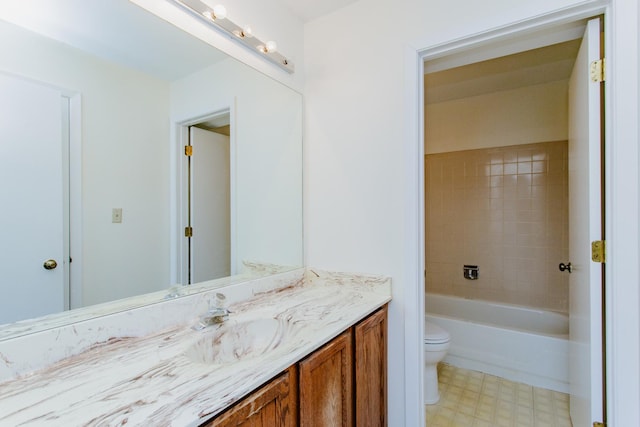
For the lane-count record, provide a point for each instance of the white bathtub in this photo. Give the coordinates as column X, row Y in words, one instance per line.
column 513, row 342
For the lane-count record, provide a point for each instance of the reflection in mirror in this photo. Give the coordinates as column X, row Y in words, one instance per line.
column 98, row 100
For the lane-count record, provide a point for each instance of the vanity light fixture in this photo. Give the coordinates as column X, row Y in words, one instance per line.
column 216, row 16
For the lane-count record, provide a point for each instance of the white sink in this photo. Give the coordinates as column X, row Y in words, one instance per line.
column 236, row 341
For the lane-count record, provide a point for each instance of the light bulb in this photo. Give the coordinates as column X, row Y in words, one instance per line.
column 219, row 11
column 271, row 46
column 244, row 32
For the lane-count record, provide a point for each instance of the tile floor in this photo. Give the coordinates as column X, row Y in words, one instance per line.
column 473, row 399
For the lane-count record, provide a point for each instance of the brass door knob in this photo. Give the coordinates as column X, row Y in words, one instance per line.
column 50, row 264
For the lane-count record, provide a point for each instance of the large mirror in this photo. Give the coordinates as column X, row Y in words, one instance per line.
column 101, row 203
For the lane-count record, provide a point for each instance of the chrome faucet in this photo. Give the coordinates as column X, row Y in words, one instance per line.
column 217, row 313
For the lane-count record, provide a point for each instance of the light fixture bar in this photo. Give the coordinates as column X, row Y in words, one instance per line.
column 237, row 33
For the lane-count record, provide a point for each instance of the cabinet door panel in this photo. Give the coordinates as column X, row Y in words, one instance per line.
column 273, row 405
column 326, row 385
column 371, row 370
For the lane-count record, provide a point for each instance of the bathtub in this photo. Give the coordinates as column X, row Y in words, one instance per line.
column 517, row 343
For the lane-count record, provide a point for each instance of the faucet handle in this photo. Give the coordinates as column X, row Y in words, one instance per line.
column 220, row 301
column 218, row 304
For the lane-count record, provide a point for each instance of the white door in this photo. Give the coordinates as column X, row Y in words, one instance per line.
column 585, row 201
column 31, row 196
column 210, row 206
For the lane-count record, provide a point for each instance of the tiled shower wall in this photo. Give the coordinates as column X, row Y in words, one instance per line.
column 506, row 210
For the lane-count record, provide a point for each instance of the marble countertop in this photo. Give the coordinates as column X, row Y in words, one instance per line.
column 150, row 380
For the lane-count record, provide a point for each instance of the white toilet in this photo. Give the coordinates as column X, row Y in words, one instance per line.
column 436, row 344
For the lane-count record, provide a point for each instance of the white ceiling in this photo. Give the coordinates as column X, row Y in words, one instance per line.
column 532, row 67
column 308, row 10
column 115, row 30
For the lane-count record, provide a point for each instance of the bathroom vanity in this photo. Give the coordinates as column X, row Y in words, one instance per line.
column 323, row 387
column 298, row 347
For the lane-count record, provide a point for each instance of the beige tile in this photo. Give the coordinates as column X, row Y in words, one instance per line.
column 455, row 391
column 524, row 398
column 539, row 423
column 524, row 411
column 539, row 167
column 439, row 421
column 482, row 423
column 485, row 412
column 467, row 406
column 540, row 153
column 524, row 168
column 446, row 413
column 462, row 420
column 467, row 190
column 510, row 169
column 432, row 410
column 524, row 155
column 486, row 400
column 560, row 397
column 504, row 422
column 495, row 156
column 497, row 169
column 563, row 421
column 539, row 179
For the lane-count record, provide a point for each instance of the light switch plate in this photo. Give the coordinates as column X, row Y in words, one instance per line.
column 116, row 215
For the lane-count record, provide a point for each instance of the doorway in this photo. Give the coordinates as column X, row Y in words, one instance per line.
column 41, row 176
column 208, row 203
column 591, row 401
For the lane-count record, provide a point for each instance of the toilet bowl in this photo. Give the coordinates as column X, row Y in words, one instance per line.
column 436, row 344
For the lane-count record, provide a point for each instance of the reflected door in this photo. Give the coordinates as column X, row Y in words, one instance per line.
column 210, row 206
column 585, row 226
column 31, row 158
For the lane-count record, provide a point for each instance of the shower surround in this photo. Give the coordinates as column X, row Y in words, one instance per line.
column 504, row 209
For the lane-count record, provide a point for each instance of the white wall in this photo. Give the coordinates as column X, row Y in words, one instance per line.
column 498, row 119
column 360, row 211
column 119, row 106
column 266, row 127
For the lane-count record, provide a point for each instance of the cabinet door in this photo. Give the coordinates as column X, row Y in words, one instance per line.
column 273, row 405
column 326, row 385
column 371, row 370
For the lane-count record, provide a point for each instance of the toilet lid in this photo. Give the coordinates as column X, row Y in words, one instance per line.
column 434, row 333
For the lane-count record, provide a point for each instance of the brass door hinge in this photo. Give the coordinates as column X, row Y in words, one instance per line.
column 597, row 70
column 188, row 150
column 188, row 232
column 598, row 251
column 598, row 424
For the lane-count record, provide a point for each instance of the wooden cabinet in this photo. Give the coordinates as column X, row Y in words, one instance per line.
column 326, row 385
column 371, row 370
column 344, row 383
column 272, row 405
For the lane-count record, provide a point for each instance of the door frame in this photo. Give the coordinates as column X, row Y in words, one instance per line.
column 75, row 199
column 179, row 199
column 415, row 60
